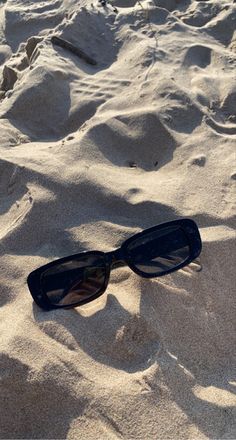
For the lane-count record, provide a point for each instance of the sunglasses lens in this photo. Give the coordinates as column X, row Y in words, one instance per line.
column 75, row 280
column 159, row 251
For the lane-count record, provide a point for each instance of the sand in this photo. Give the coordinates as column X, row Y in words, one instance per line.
column 89, row 155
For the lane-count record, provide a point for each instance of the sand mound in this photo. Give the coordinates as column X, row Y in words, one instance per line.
column 89, row 155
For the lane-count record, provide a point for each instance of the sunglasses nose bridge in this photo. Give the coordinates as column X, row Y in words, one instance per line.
column 116, row 258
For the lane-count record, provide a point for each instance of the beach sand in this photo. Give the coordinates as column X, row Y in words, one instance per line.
column 89, row 155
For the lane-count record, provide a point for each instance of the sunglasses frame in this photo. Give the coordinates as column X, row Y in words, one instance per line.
column 117, row 258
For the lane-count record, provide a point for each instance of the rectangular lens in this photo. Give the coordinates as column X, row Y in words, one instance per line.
column 74, row 281
column 159, row 251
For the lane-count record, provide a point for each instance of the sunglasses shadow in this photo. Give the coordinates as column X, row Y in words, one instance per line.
column 108, row 332
column 105, row 331
column 184, row 324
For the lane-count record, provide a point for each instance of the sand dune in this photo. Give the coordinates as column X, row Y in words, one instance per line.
column 89, row 155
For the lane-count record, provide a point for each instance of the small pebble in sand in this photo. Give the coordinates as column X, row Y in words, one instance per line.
column 199, row 161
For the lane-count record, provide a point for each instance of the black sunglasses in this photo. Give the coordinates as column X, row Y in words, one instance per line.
column 81, row 278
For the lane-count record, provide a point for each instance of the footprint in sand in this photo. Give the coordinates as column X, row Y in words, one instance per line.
column 199, row 14
column 206, row 67
column 198, row 55
column 134, row 339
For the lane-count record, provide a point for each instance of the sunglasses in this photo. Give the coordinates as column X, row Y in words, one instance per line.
column 78, row 279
